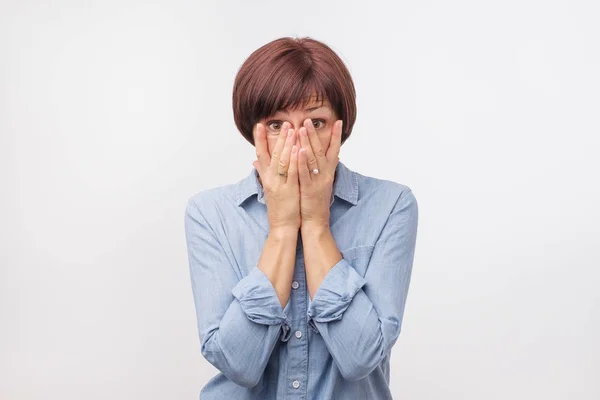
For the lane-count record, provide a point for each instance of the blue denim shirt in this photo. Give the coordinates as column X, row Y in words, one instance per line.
column 336, row 346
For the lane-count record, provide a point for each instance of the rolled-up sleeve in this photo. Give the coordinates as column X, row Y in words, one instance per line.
column 240, row 321
column 259, row 300
column 360, row 318
column 335, row 294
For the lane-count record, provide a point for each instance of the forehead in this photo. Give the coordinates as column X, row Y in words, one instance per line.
column 312, row 104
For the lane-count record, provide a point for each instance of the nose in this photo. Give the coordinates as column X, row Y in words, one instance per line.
column 296, row 127
column 298, row 140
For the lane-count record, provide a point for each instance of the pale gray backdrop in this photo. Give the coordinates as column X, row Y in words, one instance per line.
column 114, row 113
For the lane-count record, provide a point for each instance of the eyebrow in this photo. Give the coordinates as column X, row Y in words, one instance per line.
column 307, row 109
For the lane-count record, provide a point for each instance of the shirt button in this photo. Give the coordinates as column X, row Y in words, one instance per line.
column 296, row 384
column 298, row 334
column 295, row 285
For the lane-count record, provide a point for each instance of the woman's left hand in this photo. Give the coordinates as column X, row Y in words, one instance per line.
column 316, row 189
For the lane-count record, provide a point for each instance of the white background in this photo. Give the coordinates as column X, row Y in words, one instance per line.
column 114, row 113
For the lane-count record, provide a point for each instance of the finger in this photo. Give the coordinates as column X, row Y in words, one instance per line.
column 311, row 160
column 256, row 165
column 262, row 151
column 284, row 162
column 293, row 168
column 335, row 142
column 315, row 143
column 303, row 173
column 276, row 153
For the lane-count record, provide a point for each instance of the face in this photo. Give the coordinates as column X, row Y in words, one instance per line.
column 322, row 115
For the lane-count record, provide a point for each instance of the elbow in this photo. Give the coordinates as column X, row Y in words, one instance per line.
column 357, row 372
column 242, row 378
column 234, row 370
column 362, row 363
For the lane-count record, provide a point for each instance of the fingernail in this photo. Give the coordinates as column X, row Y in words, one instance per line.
column 293, row 148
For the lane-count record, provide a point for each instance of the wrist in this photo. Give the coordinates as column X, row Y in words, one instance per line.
column 284, row 232
column 314, row 229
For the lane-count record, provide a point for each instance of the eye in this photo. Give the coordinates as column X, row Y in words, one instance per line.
column 318, row 123
column 275, row 125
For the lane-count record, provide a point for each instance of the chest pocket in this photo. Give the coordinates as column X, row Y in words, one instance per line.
column 358, row 257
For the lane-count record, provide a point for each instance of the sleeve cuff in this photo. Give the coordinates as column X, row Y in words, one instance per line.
column 286, row 329
column 259, row 301
column 334, row 295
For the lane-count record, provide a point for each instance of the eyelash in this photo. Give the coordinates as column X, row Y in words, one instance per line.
column 281, row 123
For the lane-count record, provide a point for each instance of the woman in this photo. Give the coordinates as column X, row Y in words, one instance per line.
column 300, row 271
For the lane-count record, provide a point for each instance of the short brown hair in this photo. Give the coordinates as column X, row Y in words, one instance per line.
column 284, row 74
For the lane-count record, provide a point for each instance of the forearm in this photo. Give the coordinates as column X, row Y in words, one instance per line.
column 278, row 259
column 254, row 309
column 242, row 358
column 359, row 340
column 320, row 254
column 359, row 315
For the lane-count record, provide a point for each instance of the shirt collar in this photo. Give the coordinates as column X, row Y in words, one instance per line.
column 345, row 186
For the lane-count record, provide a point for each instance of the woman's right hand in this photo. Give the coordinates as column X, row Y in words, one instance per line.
column 282, row 193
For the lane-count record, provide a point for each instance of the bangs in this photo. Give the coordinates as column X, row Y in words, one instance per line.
column 292, row 88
